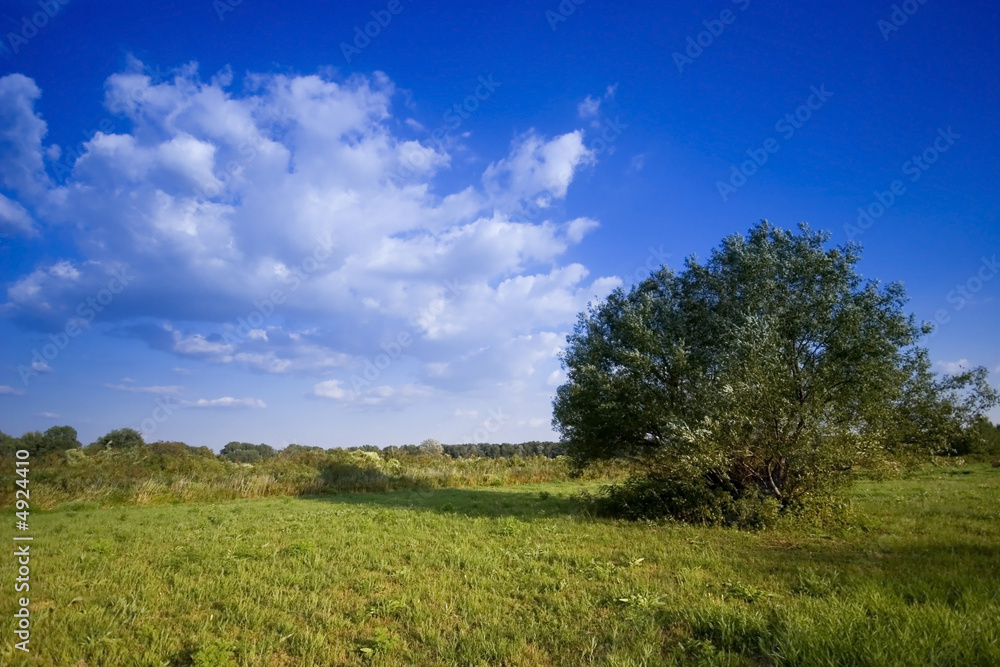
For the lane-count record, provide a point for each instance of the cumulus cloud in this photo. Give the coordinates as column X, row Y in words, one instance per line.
column 536, row 165
column 288, row 228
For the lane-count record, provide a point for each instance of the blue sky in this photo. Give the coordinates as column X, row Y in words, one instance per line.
column 256, row 222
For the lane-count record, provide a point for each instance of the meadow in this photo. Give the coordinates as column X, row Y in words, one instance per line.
column 896, row 572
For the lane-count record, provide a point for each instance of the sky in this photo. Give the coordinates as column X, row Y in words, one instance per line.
column 347, row 223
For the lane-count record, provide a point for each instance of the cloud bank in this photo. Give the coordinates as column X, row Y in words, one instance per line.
column 265, row 228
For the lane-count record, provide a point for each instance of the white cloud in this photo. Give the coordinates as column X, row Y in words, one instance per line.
column 591, row 106
column 397, row 396
column 48, row 415
column 152, row 389
column 7, row 389
column 536, row 165
column 578, row 228
column 15, row 219
column 332, row 389
column 225, row 402
column 952, row 367
column 21, row 131
column 637, row 162
column 588, row 107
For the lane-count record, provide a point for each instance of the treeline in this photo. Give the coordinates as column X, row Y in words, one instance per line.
column 245, row 452
column 62, row 438
column 980, row 442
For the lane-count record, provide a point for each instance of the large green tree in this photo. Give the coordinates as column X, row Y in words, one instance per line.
column 769, row 372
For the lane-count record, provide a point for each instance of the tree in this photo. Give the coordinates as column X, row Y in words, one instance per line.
column 759, row 378
column 245, row 452
column 60, row 438
column 431, row 447
column 121, row 438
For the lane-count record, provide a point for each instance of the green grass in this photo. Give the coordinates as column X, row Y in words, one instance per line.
column 515, row 576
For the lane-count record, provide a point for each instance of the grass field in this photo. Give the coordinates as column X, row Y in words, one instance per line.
column 515, row 576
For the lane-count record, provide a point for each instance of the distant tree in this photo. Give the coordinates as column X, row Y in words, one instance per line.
column 245, row 452
column 431, row 447
column 165, row 448
column 32, row 442
column 61, row 438
column 980, row 441
column 760, row 378
column 8, row 444
column 121, row 438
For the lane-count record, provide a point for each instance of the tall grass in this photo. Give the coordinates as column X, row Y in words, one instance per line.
column 142, row 475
